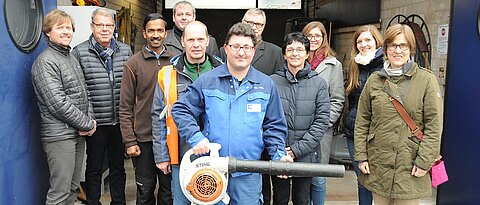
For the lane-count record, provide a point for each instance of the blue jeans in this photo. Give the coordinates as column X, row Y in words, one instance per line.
column 318, row 191
column 178, row 196
column 364, row 196
column 246, row 189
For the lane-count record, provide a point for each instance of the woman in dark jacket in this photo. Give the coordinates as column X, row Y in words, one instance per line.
column 306, row 104
column 366, row 58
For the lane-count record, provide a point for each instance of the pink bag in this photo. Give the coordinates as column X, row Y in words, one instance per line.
column 438, row 173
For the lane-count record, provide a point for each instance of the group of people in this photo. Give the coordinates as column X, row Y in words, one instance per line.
column 257, row 100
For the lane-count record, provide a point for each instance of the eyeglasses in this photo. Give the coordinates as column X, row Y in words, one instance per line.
column 251, row 23
column 393, row 47
column 290, row 51
column 236, row 48
column 316, row 37
column 101, row 26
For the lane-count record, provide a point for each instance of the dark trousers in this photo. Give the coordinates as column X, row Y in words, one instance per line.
column 300, row 190
column 266, row 188
column 106, row 139
column 146, row 175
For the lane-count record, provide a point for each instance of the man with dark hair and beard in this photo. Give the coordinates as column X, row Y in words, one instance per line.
column 136, row 97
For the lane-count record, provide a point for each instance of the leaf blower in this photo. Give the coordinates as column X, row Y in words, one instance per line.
column 204, row 180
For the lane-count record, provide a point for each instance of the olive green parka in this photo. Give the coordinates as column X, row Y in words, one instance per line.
column 384, row 140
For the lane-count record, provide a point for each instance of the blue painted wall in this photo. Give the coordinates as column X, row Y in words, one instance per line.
column 23, row 168
column 461, row 140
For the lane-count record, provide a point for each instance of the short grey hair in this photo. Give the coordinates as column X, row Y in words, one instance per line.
column 103, row 12
column 255, row 12
column 183, row 3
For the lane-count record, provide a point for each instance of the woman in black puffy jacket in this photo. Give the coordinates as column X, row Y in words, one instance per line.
column 366, row 58
column 306, row 105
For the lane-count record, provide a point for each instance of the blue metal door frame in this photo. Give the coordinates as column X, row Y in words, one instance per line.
column 461, row 136
column 23, row 168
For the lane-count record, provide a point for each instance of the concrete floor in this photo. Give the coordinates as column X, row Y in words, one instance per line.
column 340, row 191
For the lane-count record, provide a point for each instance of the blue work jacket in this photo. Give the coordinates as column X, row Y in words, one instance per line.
column 242, row 118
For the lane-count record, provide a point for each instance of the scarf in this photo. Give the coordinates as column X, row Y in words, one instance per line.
column 318, row 57
column 365, row 60
column 390, row 71
column 105, row 53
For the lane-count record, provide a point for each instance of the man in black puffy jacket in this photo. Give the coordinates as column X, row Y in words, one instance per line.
column 102, row 59
column 66, row 113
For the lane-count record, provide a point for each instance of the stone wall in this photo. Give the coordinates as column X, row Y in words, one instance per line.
column 434, row 13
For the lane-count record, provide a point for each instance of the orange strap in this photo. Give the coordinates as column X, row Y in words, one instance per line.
column 167, row 79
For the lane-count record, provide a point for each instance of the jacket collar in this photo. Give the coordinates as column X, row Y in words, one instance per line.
column 376, row 62
column 409, row 69
column 327, row 61
column 147, row 54
column 260, row 49
column 172, row 40
column 178, row 62
column 90, row 45
column 58, row 48
column 253, row 75
column 305, row 73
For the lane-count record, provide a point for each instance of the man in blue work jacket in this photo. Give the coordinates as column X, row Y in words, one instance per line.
column 240, row 109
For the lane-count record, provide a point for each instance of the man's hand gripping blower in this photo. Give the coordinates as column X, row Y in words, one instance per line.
column 204, row 180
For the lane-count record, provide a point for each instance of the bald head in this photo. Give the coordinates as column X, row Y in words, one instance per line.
column 196, row 26
column 195, row 41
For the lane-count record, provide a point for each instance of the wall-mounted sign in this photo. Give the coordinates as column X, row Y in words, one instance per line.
column 442, row 45
column 279, row 4
column 216, row 4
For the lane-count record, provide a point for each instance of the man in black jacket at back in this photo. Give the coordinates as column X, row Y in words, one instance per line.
column 268, row 57
column 184, row 13
column 102, row 59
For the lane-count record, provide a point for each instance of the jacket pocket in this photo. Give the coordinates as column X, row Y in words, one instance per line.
column 258, row 95
column 377, row 102
column 370, row 137
column 255, row 110
column 214, row 95
column 412, row 147
column 257, row 102
column 216, row 104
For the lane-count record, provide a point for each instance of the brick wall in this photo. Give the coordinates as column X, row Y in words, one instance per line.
column 434, row 13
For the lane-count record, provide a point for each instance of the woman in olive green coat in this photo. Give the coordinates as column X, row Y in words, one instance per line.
column 393, row 162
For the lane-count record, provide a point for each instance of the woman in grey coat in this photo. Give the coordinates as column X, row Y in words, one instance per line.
column 323, row 61
column 306, row 104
